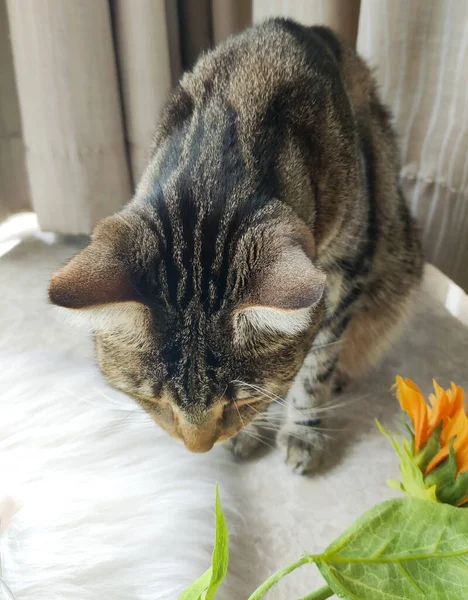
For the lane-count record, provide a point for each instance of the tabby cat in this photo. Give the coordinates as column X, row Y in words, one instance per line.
column 267, row 253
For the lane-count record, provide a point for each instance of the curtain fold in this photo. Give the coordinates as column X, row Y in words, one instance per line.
column 144, row 61
column 70, row 107
column 340, row 15
column 420, row 53
column 229, row 17
column 14, row 186
column 204, row 23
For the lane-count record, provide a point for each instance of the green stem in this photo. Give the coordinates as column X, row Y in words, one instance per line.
column 270, row 582
column 320, row 594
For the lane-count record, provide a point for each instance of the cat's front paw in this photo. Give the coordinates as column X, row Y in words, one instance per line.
column 302, row 447
column 243, row 444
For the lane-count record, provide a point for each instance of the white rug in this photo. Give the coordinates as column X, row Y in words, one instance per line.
column 114, row 509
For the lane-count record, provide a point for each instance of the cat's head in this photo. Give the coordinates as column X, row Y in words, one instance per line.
column 202, row 333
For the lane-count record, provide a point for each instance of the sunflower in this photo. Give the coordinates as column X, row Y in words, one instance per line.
column 435, row 464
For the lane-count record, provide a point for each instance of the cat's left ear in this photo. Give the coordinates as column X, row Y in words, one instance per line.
column 99, row 274
column 283, row 298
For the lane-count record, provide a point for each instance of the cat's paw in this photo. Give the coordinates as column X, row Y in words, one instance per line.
column 302, row 447
column 243, row 444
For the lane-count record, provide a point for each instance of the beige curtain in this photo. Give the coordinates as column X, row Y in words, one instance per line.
column 341, row 15
column 14, row 188
column 420, row 51
column 82, row 83
column 70, row 107
column 145, row 71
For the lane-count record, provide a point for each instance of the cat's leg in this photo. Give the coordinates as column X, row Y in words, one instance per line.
column 370, row 332
column 246, row 441
column 301, row 438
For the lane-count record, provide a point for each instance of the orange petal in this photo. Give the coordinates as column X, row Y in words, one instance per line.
column 456, row 396
column 462, row 459
column 440, row 407
column 412, row 401
column 458, row 428
column 461, row 443
column 410, row 383
column 439, row 392
column 438, row 458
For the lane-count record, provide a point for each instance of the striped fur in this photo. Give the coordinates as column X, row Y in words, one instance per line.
column 274, row 165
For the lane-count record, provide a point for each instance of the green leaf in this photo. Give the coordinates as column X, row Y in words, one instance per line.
column 321, row 594
column 273, row 579
column 220, row 558
column 445, row 473
column 412, row 478
column 204, row 588
column 395, row 485
column 198, row 587
column 404, row 549
column 429, row 450
column 451, row 488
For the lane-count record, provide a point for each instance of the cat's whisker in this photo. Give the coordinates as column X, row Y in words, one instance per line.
column 321, row 428
column 254, row 409
column 267, row 427
column 272, row 427
column 240, row 416
column 281, row 401
column 89, row 400
column 303, row 411
column 267, row 419
column 314, row 348
column 267, row 394
column 120, row 422
column 265, row 424
column 104, row 395
column 332, row 404
column 257, row 436
column 307, row 439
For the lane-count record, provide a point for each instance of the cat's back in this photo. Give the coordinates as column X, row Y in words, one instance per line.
column 278, row 61
column 245, row 104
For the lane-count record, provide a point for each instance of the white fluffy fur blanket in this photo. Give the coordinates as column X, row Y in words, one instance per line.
column 111, row 507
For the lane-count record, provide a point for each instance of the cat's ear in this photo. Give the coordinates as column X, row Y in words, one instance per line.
column 98, row 275
column 282, row 298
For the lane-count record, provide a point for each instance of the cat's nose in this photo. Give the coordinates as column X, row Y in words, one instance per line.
column 201, row 436
column 200, row 443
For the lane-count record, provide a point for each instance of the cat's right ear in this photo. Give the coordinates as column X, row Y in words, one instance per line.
column 99, row 275
column 284, row 296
